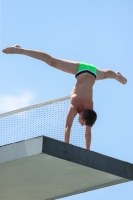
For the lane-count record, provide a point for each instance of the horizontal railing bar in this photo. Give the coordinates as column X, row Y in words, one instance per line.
column 34, row 106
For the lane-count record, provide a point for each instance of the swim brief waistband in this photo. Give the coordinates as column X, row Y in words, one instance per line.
column 84, row 67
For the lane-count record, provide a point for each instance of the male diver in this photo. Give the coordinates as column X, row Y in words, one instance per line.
column 82, row 93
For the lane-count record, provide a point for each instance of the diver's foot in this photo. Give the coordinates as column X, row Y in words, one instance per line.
column 11, row 50
column 121, row 78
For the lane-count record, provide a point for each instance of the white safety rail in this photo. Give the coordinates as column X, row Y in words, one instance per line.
column 47, row 118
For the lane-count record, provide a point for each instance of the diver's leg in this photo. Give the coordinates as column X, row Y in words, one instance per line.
column 64, row 65
column 107, row 73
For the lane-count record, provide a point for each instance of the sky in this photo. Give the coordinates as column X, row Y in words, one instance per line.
column 96, row 32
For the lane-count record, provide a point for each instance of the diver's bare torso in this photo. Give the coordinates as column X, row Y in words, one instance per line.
column 82, row 92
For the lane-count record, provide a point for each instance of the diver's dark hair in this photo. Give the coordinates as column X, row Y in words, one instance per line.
column 89, row 116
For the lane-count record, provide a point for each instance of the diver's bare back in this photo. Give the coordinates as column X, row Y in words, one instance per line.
column 82, row 92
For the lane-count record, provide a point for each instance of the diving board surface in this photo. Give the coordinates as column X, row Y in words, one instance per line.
column 43, row 168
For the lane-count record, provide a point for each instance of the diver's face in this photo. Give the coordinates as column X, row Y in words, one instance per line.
column 81, row 121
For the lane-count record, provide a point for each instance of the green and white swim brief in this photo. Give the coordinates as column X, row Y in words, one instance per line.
column 84, row 67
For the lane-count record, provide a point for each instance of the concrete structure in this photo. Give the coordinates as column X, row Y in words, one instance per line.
column 44, row 168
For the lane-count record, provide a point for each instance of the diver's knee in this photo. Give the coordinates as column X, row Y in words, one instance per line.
column 107, row 73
